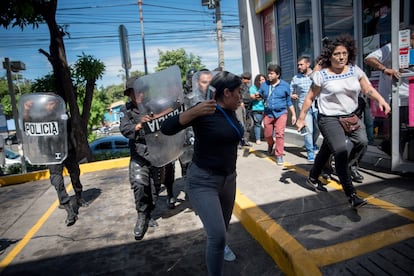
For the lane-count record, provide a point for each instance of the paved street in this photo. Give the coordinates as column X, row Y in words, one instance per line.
column 279, row 227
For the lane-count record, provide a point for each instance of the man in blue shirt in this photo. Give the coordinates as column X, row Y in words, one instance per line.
column 299, row 87
column 276, row 96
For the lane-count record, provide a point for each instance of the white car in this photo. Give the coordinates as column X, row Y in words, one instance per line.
column 12, row 158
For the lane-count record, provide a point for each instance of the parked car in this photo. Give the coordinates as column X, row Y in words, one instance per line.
column 13, row 164
column 12, row 158
column 11, row 140
column 109, row 147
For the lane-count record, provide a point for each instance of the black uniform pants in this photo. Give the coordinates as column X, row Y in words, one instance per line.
column 146, row 183
column 56, row 177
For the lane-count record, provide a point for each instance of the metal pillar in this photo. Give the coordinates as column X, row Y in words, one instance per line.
column 7, row 66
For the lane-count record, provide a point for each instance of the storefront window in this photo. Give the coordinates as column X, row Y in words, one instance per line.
column 337, row 17
column 269, row 29
column 376, row 39
column 304, row 37
column 286, row 50
column 376, row 28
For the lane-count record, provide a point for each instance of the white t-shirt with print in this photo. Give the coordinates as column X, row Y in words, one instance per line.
column 339, row 92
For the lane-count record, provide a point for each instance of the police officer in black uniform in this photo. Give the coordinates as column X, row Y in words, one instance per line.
column 188, row 85
column 50, row 144
column 56, row 179
column 145, row 179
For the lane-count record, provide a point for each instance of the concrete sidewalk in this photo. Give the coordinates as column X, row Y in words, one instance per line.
column 279, row 227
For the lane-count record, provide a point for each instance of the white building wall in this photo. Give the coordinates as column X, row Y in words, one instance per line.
column 251, row 37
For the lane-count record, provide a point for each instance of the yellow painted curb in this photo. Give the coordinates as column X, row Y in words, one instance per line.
column 290, row 256
column 44, row 174
column 23, row 178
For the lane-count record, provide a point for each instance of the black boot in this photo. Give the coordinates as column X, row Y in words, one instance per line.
column 356, row 201
column 141, row 226
column 72, row 217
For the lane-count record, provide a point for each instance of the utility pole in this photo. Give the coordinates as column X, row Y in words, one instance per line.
column 141, row 20
column 215, row 4
column 219, row 26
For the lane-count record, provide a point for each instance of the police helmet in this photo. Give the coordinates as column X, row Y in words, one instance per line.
column 190, row 73
column 129, row 87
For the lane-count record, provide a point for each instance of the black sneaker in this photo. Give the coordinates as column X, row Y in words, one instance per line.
column 356, row 201
column 315, row 185
column 356, row 176
column 244, row 143
column 171, row 202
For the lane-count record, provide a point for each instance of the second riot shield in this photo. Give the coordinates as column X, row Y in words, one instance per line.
column 43, row 123
column 162, row 97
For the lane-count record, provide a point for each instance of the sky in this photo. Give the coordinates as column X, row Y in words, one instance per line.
column 94, row 30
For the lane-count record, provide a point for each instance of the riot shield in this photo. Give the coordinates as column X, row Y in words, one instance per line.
column 160, row 95
column 43, row 123
column 201, row 81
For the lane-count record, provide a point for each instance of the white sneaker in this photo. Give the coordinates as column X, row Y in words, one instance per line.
column 228, row 254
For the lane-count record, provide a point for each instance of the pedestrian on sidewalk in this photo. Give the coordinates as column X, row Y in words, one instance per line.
column 276, row 96
column 337, row 86
column 243, row 111
column 299, row 87
column 257, row 106
column 211, row 176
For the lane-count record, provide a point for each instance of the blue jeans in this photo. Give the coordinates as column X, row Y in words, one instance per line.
column 257, row 118
column 311, row 122
column 212, row 198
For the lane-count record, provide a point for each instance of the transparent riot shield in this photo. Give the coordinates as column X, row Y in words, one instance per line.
column 201, row 82
column 43, row 123
column 160, row 95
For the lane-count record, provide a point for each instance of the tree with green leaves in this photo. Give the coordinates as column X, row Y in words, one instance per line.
column 23, row 13
column 87, row 70
column 22, row 86
column 178, row 57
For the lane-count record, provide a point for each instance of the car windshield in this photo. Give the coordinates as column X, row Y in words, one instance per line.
column 11, row 154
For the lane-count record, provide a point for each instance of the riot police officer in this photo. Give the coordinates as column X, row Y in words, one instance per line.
column 145, row 178
column 188, row 85
column 56, row 179
column 48, row 141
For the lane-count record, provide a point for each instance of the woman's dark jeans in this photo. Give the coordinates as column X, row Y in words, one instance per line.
column 335, row 142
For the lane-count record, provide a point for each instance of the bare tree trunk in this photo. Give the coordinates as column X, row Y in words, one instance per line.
column 87, row 103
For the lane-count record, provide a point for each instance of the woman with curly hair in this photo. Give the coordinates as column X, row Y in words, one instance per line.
column 337, row 86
